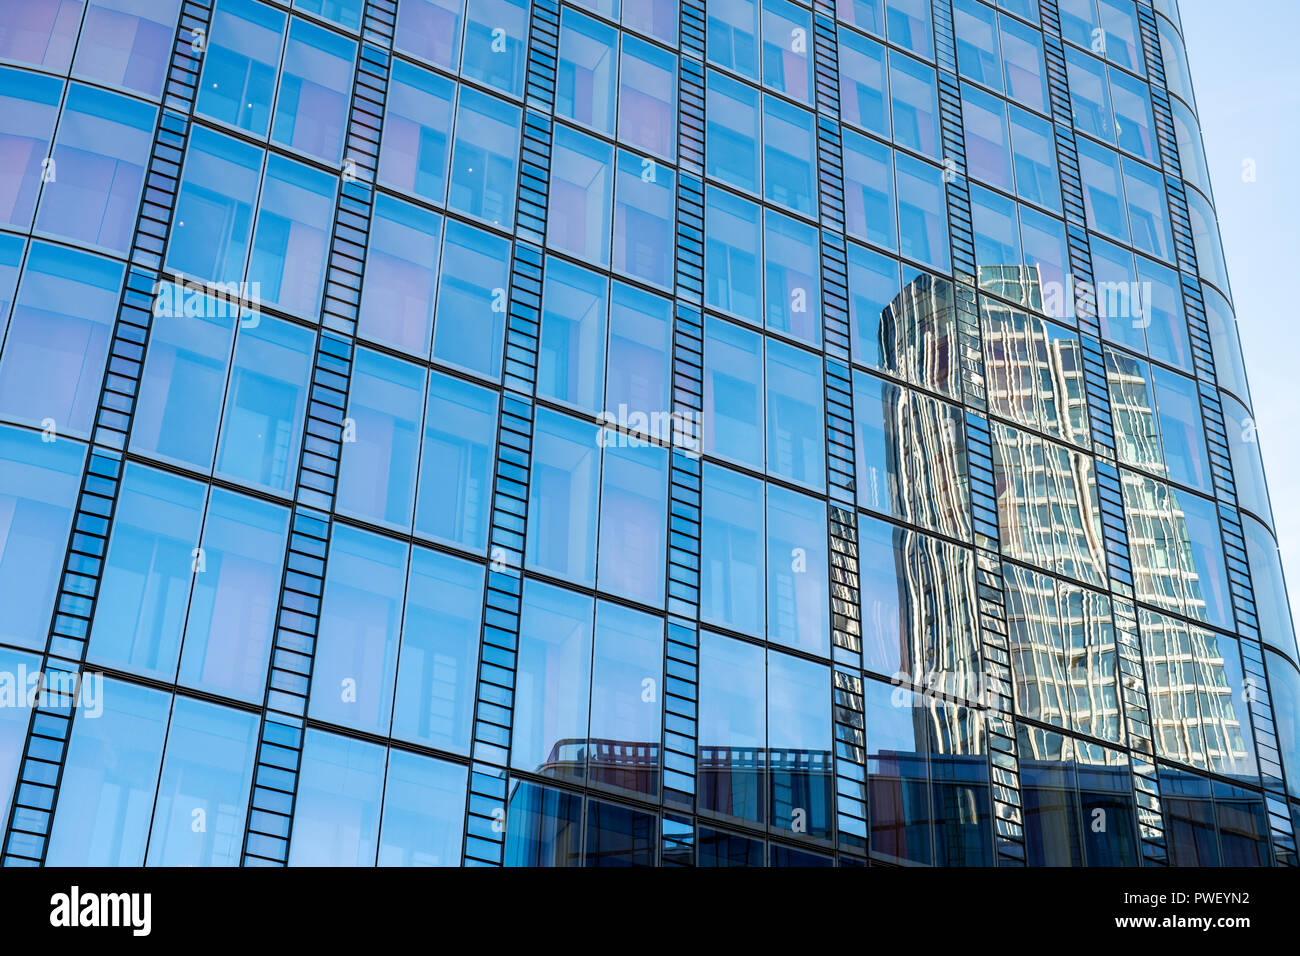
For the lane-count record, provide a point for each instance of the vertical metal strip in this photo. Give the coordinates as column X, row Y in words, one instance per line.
column 681, row 664
column 848, row 708
column 45, row 749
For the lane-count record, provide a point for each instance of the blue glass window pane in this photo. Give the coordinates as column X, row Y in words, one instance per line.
column 731, row 552
column 39, row 482
column 1247, row 465
column 1123, row 45
column 732, row 728
column 561, row 536
column 798, row 606
column 731, row 132
column 582, row 178
column 625, row 694
column 99, row 158
column 455, row 484
column 909, row 25
column 1147, row 214
column 203, row 790
column 360, row 618
column 633, row 532
column 719, row 848
column 654, row 18
column 1162, row 308
column 619, row 836
column 439, row 655
column 644, row 244
column 922, row 212
column 470, row 324
column 336, row 814
column 978, row 57
column 291, row 244
column 997, row 242
column 1134, row 126
column 914, row 104
column 876, row 405
column 869, row 191
column 988, row 153
column 1284, row 688
column 799, row 745
column 1116, row 281
column 795, row 446
column 21, row 678
column 401, row 276
column 888, row 641
column 640, row 340
column 787, row 49
column 496, row 43
column 571, row 351
column 866, row 15
column 1089, row 96
column 240, row 63
column 586, row 71
column 647, row 98
column 1181, row 432
column 872, row 285
column 1229, row 367
column 265, row 404
column 148, row 572
column 784, row 856
column 733, row 392
column 731, row 254
column 897, row 798
column 53, row 360
column 184, row 379
column 346, row 13
column 863, row 83
column 792, row 269
column 109, row 778
column 214, row 211
column 1022, row 64
column 553, row 682
column 1205, row 230
column 733, row 35
column 483, row 158
column 1102, row 193
column 789, row 156
column 1188, row 818
column 1033, row 149
column 377, row 471
column 1202, row 559
column 1047, row 261
column 543, row 827
column 430, row 30
column 311, row 106
column 42, row 33
column 417, row 132
column 235, row 596
column 1275, row 624
column 424, row 817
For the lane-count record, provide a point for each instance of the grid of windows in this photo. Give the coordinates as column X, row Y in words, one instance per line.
column 689, row 166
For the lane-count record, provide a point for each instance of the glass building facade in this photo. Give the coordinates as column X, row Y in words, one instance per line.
column 626, row 432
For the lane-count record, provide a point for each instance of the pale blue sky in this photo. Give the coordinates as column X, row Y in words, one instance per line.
column 1246, row 76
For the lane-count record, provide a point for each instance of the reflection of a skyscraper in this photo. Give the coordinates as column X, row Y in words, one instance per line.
column 1051, row 516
